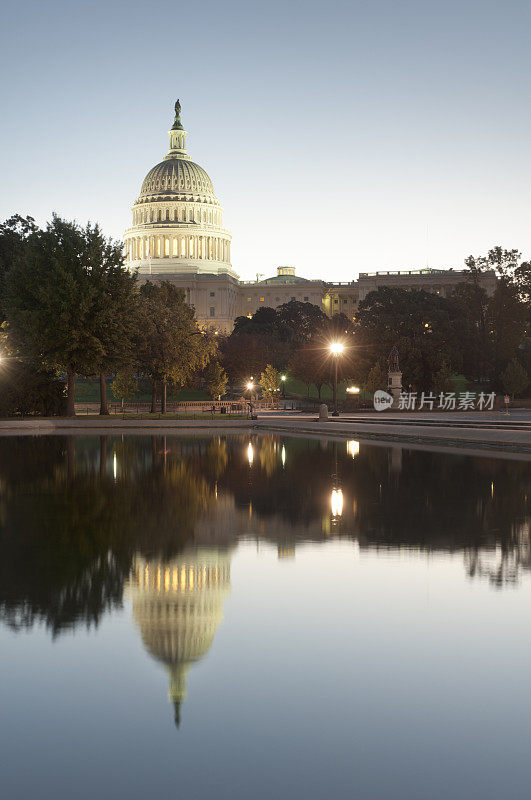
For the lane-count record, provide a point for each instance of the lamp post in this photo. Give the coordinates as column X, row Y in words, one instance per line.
column 250, row 387
column 336, row 349
column 283, row 379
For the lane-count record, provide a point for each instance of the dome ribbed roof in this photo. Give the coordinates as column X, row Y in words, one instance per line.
column 177, row 176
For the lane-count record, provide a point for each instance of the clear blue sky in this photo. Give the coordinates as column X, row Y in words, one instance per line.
column 340, row 136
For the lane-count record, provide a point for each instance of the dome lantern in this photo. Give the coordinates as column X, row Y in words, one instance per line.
column 177, row 135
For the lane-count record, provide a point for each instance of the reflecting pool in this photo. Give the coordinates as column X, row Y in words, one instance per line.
column 262, row 617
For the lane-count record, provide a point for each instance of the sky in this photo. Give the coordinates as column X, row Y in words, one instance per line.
column 341, row 137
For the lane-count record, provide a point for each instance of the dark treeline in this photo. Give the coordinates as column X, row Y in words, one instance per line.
column 69, row 307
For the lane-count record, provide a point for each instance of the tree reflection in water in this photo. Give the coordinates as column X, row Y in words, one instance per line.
column 76, row 514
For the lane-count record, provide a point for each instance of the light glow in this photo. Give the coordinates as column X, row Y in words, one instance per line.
column 336, row 348
column 353, row 389
column 250, row 454
column 336, row 502
column 353, row 448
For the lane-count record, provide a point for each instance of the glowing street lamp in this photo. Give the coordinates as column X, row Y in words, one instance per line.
column 250, row 387
column 336, row 349
column 283, row 379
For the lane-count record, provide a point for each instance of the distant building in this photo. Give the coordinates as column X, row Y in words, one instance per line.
column 177, row 234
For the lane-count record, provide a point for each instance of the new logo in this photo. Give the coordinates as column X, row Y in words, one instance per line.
column 382, row 400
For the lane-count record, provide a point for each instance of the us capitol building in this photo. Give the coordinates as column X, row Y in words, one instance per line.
column 178, row 235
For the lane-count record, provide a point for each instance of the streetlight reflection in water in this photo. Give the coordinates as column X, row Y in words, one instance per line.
column 353, row 448
column 336, row 502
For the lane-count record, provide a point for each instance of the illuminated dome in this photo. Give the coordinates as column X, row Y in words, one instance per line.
column 177, row 220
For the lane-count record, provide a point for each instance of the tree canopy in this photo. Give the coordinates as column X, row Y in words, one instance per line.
column 171, row 347
column 54, row 305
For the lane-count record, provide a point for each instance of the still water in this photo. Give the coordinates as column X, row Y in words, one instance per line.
column 269, row 618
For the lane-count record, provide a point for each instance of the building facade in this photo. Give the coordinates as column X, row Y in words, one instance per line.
column 178, row 235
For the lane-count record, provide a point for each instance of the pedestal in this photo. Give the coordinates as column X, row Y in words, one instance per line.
column 394, row 386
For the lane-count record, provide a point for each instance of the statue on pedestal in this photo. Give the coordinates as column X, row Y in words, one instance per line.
column 394, row 376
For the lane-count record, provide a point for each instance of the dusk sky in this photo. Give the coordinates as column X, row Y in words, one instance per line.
column 341, row 137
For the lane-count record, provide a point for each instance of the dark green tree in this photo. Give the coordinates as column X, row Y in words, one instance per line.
column 115, row 304
column 215, row 379
column 507, row 315
column 125, row 385
column 515, row 379
column 30, row 389
column 14, row 234
column 171, row 347
column 426, row 328
column 442, row 379
column 53, row 304
column 377, row 378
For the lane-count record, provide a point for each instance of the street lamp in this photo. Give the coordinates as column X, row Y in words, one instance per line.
column 283, row 379
column 250, row 387
column 336, row 349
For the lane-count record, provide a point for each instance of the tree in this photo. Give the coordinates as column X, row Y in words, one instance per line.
column 115, row 304
column 246, row 356
column 270, row 336
column 216, row 379
column 507, row 324
column 299, row 322
column 293, row 322
column 522, row 280
column 473, row 303
column 29, row 389
column 52, row 304
column 14, row 234
column 376, row 379
column 125, row 385
column 270, row 382
column 442, row 380
column 302, row 366
column 426, row 328
column 171, row 346
column 515, row 379
column 503, row 262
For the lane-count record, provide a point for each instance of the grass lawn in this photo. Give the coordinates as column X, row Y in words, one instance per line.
column 88, row 391
column 294, row 386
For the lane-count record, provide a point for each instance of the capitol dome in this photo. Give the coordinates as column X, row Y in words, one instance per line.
column 177, row 225
column 177, row 178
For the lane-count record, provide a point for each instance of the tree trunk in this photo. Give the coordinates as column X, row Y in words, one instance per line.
column 70, row 393
column 104, row 406
column 153, row 396
column 163, row 398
